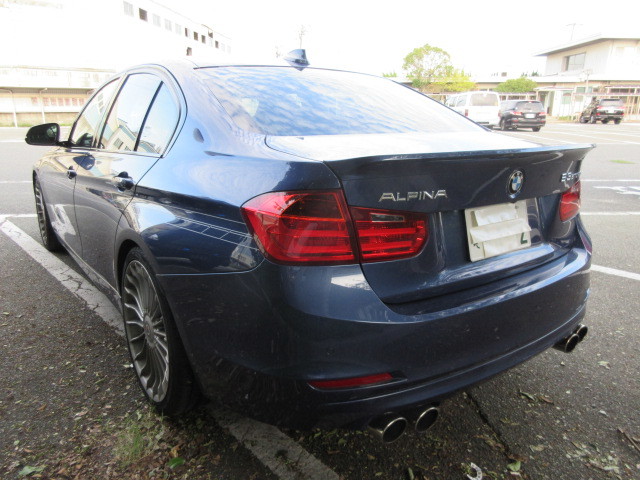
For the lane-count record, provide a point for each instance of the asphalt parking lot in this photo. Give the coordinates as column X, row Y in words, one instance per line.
column 558, row 416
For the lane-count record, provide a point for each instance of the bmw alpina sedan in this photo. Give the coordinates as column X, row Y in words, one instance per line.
column 313, row 247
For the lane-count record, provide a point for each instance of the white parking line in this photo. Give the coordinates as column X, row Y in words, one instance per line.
column 616, row 272
column 282, row 455
column 14, row 181
column 608, row 214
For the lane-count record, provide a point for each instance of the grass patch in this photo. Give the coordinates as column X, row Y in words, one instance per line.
column 140, row 436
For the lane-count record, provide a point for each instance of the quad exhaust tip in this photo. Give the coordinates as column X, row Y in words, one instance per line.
column 569, row 343
column 390, row 426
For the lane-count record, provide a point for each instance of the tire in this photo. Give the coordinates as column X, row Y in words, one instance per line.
column 617, row 121
column 49, row 238
column 535, row 129
column 592, row 119
column 155, row 347
column 502, row 125
column 605, row 121
column 583, row 119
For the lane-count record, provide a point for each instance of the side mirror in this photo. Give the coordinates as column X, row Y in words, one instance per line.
column 47, row 134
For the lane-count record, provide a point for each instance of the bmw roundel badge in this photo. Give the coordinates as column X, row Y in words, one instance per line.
column 514, row 185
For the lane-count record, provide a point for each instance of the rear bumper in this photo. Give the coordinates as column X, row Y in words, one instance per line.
column 526, row 123
column 255, row 339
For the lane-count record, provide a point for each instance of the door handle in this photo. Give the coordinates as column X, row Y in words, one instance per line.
column 123, row 181
column 71, row 173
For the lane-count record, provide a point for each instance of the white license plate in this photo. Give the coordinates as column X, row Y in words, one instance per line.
column 529, row 115
column 497, row 229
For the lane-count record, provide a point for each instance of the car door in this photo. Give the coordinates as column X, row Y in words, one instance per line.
column 127, row 148
column 59, row 169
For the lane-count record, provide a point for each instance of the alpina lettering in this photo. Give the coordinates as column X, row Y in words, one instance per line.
column 423, row 195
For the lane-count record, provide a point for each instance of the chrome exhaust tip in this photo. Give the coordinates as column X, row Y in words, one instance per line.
column 568, row 344
column 425, row 419
column 582, row 331
column 388, row 427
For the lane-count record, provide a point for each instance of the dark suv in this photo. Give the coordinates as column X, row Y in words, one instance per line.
column 522, row 114
column 603, row 109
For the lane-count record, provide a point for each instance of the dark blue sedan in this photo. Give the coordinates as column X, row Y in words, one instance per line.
column 314, row 247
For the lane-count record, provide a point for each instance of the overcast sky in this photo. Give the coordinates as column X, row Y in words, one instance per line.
column 374, row 36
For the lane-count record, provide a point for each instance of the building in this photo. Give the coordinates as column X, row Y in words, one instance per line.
column 599, row 66
column 53, row 58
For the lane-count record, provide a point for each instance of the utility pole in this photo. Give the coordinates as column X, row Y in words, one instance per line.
column 573, row 28
column 301, row 33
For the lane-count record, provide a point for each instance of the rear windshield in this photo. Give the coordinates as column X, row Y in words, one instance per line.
column 288, row 101
column 484, row 100
column 613, row 102
column 529, row 106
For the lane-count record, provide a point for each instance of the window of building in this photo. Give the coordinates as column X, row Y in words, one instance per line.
column 128, row 112
column 187, row 33
column 202, row 38
column 156, row 20
column 67, row 102
column 217, row 44
column 142, row 14
column 168, row 25
column 573, row 62
column 74, row 101
column 189, row 52
column 46, row 101
column 178, row 28
column 160, row 123
column 196, row 36
column 128, row 9
column 85, row 128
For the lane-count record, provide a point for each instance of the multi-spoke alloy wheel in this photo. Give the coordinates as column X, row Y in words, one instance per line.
column 158, row 356
column 146, row 331
column 49, row 239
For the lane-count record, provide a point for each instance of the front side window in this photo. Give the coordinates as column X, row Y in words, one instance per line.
column 287, row 101
column 128, row 112
column 85, row 129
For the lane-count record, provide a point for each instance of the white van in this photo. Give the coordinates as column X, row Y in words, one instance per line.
column 481, row 107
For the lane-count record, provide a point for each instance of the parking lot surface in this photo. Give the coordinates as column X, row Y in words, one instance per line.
column 68, row 397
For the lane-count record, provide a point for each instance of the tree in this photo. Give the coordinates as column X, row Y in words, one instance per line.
column 517, row 85
column 429, row 69
column 424, row 65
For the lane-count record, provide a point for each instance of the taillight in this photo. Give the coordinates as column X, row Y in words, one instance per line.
column 542, row 114
column 387, row 235
column 466, row 112
column 301, row 227
column 515, row 112
column 570, row 203
column 316, row 228
column 352, row 382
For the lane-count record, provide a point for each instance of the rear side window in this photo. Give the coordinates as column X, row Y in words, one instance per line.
column 484, row 100
column 85, row 129
column 288, row 101
column 128, row 112
column 530, row 106
column 611, row 102
column 160, row 124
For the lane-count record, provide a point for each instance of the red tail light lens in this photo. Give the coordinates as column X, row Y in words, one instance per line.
column 515, row 112
column 570, row 203
column 301, row 228
column 316, row 228
column 542, row 114
column 352, row 382
column 386, row 234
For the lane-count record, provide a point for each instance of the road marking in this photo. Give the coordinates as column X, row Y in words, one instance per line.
column 540, row 137
column 622, row 190
column 14, row 181
column 605, row 214
column 69, row 278
column 284, row 457
column 605, row 181
column 265, row 441
column 616, row 272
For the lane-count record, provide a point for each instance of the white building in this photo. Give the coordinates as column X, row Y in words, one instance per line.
column 55, row 52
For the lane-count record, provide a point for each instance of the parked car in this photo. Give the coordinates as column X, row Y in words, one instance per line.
column 603, row 110
column 481, row 107
column 516, row 114
column 313, row 247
